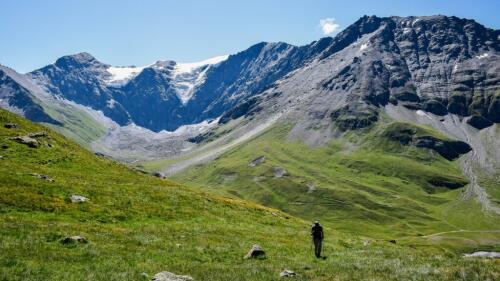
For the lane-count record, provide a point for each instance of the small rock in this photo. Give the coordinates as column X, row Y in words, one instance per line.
column 483, row 254
column 392, row 241
column 279, row 172
column 287, row 273
column 255, row 252
column 10, row 125
column 4, row 146
column 159, row 175
column 42, row 177
column 311, row 187
column 37, row 135
column 169, row 276
column 1, row 157
column 27, row 141
column 257, row 161
column 258, row 178
column 74, row 239
column 78, row 198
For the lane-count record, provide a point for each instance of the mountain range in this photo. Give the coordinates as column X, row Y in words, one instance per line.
column 436, row 71
column 389, row 130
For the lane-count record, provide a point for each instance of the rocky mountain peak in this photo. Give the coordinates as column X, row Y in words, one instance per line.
column 83, row 59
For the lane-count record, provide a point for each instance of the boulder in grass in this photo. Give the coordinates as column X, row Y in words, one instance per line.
column 10, row 125
column 42, row 177
column 257, row 161
column 31, row 142
column 255, row 252
column 78, row 198
column 169, row 276
column 287, row 273
column 279, row 172
column 37, row 135
column 159, row 175
column 74, row 239
column 483, row 254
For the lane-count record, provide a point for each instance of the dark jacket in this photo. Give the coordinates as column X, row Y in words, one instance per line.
column 317, row 231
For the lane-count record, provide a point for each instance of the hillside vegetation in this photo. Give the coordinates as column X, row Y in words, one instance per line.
column 371, row 182
column 137, row 225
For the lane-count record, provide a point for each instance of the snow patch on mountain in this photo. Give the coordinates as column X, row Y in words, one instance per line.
column 483, row 56
column 120, row 75
column 187, row 76
column 190, row 67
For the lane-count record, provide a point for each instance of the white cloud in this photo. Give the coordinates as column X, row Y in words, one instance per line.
column 329, row 26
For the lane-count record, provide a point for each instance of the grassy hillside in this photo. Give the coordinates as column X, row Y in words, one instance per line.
column 137, row 225
column 76, row 123
column 369, row 185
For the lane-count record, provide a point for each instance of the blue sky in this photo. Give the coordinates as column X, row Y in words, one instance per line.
column 122, row 32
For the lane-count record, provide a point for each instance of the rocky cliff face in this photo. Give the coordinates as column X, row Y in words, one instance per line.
column 436, row 64
column 162, row 97
column 17, row 98
column 248, row 73
column 79, row 78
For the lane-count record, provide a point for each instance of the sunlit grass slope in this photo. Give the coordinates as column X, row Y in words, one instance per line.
column 363, row 183
column 137, row 225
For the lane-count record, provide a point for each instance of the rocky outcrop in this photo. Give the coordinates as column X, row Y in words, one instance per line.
column 356, row 116
column 479, row 122
column 246, row 109
column 446, row 182
column 255, row 252
column 169, row 276
column 31, row 142
column 449, row 149
column 407, row 134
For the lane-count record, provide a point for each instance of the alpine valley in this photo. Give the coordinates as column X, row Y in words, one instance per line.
column 388, row 131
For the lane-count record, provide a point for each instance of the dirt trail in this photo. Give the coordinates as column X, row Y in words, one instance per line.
column 461, row 230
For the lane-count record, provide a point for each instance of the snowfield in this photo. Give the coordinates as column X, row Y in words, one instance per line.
column 120, row 75
column 185, row 76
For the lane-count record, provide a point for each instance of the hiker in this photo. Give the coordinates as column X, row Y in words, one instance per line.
column 317, row 236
